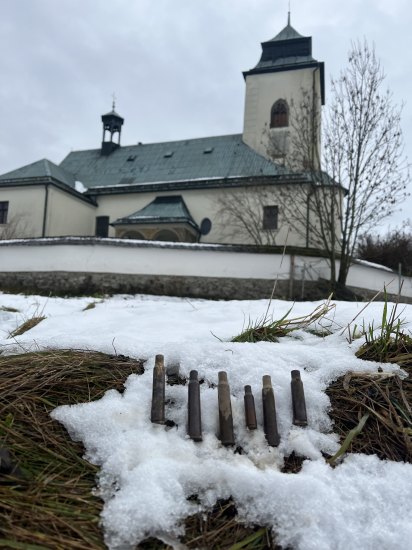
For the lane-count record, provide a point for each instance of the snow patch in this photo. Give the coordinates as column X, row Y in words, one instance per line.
column 78, row 185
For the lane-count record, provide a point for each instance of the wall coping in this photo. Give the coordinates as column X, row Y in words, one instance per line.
column 131, row 243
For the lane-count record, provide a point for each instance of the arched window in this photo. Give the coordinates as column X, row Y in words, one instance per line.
column 279, row 115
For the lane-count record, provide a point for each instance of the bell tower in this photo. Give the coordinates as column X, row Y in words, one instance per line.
column 112, row 125
column 285, row 89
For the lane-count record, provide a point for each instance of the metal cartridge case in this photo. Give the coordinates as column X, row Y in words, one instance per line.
column 194, row 424
column 158, row 396
column 300, row 417
column 269, row 413
column 226, row 434
column 250, row 411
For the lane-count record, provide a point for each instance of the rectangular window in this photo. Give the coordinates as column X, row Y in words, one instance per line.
column 270, row 217
column 4, row 208
column 102, row 226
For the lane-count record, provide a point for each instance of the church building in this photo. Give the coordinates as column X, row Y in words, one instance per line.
column 205, row 190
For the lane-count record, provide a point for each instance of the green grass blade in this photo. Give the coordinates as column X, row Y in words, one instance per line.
column 249, row 540
column 348, row 440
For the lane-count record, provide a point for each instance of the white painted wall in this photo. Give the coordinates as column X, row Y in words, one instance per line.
column 26, row 208
column 262, row 90
column 190, row 260
column 68, row 215
column 360, row 275
column 201, row 204
column 376, row 279
column 100, row 258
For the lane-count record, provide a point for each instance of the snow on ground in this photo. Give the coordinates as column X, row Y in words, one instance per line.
column 148, row 471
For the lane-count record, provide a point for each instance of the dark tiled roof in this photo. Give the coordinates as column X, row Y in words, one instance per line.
column 283, row 63
column 113, row 113
column 288, row 51
column 162, row 209
column 40, row 169
column 187, row 160
column 287, row 33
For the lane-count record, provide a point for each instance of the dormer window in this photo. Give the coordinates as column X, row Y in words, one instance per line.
column 279, row 115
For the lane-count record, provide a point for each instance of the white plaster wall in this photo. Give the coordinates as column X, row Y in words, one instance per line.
column 360, row 275
column 377, row 279
column 26, row 208
column 187, row 261
column 262, row 90
column 147, row 261
column 201, row 204
column 68, row 215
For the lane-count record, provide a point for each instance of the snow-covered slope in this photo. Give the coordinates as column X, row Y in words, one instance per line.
column 148, row 471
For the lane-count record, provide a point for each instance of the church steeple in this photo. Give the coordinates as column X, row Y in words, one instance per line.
column 112, row 123
column 285, row 78
column 286, row 51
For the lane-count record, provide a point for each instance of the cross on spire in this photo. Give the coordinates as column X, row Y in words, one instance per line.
column 289, row 13
column 114, row 101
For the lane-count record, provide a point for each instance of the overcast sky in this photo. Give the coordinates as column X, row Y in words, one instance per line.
column 174, row 65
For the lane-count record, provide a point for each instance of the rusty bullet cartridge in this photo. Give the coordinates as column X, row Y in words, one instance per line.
column 158, row 396
column 250, row 412
column 269, row 412
column 300, row 417
column 194, row 424
column 226, row 434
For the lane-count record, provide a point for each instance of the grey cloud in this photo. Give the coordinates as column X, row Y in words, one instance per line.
column 175, row 65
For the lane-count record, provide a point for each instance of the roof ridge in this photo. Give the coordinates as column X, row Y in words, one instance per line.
column 123, row 147
column 46, row 164
column 41, row 168
column 287, row 33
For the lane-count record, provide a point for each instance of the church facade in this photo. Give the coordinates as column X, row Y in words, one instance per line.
column 233, row 189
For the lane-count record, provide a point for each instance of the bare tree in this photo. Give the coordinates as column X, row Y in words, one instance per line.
column 394, row 249
column 16, row 228
column 314, row 208
column 355, row 179
column 241, row 215
column 363, row 149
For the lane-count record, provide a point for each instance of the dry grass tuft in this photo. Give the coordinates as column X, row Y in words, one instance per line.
column 27, row 325
column 91, row 305
column 387, row 399
column 268, row 330
column 373, row 411
column 9, row 309
column 220, row 529
column 395, row 349
column 53, row 507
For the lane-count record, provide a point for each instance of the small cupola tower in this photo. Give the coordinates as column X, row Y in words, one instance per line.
column 112, row 123
column 284, row 88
